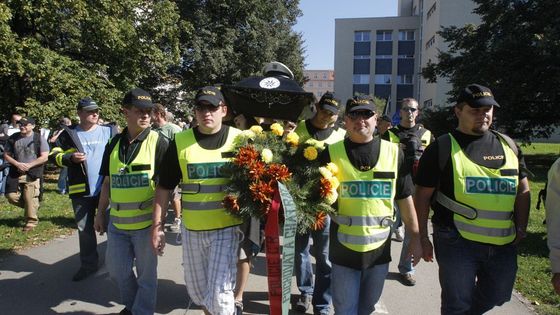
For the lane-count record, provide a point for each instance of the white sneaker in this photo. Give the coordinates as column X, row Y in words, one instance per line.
column 399, row 234
column 176, row 226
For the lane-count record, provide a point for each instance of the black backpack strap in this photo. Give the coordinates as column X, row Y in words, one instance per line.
column 444, row 150
column 37, row 143
column 508, row 140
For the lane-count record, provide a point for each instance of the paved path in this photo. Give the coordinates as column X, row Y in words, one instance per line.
column 37, row 281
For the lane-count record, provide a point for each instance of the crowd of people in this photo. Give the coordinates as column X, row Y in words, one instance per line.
column 473, row 178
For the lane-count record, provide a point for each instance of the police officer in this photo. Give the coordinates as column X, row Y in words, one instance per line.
column 80, row 149
column 210, row 234
column 372, row 177
column 316, row 292
column 481, row 207
column 413, row 139
column 129, row 162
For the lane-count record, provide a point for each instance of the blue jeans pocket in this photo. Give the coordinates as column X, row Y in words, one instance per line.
column 449, row 236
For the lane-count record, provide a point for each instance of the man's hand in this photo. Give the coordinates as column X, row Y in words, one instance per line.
column 415, row 249
column 99, row 222
column 158, row 239
column 22, row 167
column 78, row 157
column 427, row 249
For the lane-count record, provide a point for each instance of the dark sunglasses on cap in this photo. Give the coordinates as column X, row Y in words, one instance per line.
column 411, row 109
column 365, row 114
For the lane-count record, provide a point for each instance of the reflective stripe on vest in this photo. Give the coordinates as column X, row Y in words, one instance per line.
column 202, row 183
column 132, row 192
column 488, row 193
column 203, row 189
column 303, row 133
column 365, row 202
column 363, row 221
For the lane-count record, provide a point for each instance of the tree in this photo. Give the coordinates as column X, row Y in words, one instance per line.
column 52, row 53
column 234, row 39
column 516, row 52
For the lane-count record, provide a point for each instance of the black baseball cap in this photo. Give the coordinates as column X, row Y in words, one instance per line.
column 329, row 102
column 138, row 98
column 476, row 96
column 87, row 104
column 27, row 120
column 211, row 94
column 362, row 102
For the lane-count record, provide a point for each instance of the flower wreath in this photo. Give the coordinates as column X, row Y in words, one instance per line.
column 262, row 158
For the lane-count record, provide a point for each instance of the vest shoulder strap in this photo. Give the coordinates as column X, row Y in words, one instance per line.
column 113, row 142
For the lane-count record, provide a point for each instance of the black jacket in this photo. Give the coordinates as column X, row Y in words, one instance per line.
column 67, row 143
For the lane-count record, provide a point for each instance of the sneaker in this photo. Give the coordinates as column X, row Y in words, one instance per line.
column 176, row 226
column 408, row 280
column 302, row 303
column 82, row 274
column 238, row 307
column 399, row 234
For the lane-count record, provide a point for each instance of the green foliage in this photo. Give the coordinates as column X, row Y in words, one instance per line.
column 52, row 53
column 514, row 51
column 439, row 120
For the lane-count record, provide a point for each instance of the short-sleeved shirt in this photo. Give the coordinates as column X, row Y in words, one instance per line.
column 168, row 130
column 129, row 150
column 476, row 148
column 94, row 142
column 23, row 149
column 170, row 175
column 364, row 156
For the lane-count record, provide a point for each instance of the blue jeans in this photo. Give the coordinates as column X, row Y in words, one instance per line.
column 474, row 277
column 84, row 213
column 124, row 250
column 405, row 264
column 321, row 289
column 62, row 179
column 355, row 292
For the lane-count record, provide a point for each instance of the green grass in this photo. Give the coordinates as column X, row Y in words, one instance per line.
column 56, row 218
column 533, row 276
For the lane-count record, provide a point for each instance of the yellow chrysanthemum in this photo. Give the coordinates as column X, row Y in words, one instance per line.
column 310, row 153
column 266, row 155
column 277, row 129
column 292, row 139
column 248, row 134
column 334, row 182
column 325, row 172
column 333, row 168
column 256, row 129
column 331, row 198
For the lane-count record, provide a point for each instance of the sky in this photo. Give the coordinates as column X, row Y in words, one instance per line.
column 317, row 25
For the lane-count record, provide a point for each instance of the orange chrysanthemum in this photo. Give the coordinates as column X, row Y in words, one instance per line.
column 261, row 192
column 320, row 221
column 279, row 172
column 230, row 202
column 246, row 156
column 325, row 188
column 257, row 169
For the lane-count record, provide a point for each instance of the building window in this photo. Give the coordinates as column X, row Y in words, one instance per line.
column 362, row 36
column 382, row 79
column 431, row 42
column 383, row 56
column 324, row 76
column 431, row 11
column 320, row 84
column 319, row 94
column 310, row 84
column 406, row 35
column 404, row 79
column 384, row 36
column 428, row 103
column 360, row 79
column 361, row 56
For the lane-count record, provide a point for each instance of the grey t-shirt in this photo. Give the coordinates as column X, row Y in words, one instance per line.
column 23, row 149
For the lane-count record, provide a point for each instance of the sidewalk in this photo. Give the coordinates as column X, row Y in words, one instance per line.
column 38, row 281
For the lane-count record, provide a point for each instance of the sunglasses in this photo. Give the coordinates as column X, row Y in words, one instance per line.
column 365, row 114
column 203, row 108
column 409, row 109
